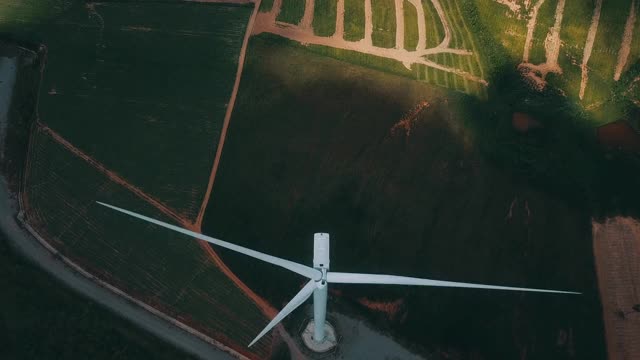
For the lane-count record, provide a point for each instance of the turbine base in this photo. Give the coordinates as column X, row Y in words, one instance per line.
column 330, row 338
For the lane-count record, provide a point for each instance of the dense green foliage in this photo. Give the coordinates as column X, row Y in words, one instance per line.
column 291, row 11
column 384, row 23
column 42, row 319
column 354, row 27
column 324, row 17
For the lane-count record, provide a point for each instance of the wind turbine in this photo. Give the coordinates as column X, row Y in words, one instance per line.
column 320, row 277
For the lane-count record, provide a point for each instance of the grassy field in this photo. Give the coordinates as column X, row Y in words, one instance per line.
column 142, row 89
column 170, row 272
column 292, row 11
column 324, row 18
column 510, row 31
column 113, row 84
column 354, row 20
column 410, row 26
column 384, row 32
column 506, row 30
column 425, row 197
column 384, row 23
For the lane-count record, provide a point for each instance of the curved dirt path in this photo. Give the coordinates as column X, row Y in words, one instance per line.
column 627, row 37
column 422, row 26
column 588, row 47
column 445, row 25
column 264, row 23
column 142, row 315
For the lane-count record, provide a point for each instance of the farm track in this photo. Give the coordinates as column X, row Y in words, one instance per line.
column 399, row 7
column 627, row 37
column 588, row 47
column 266, row 22
column 531, row 26
column 41, row 253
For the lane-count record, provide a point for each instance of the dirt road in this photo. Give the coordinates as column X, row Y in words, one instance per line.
column 27, row 245
column 625, row 48
column 588, row 47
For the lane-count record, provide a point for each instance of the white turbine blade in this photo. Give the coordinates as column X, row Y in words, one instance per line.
column 297, row 300
column 303, row 270
column 354, row 278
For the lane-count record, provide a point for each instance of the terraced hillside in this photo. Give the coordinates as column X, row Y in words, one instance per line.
column 587, row 54
column 426, row 40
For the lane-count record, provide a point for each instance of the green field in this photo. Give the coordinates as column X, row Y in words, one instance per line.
column 353, row 20
column 440, row 202
column 142, row 89
column 170, row 272
column 472, row 22
column 317, row 142
column 324, row 19
column 292, row 11
column 42, row 319
column 384, row 23
column 117, row 95
column 510, row 32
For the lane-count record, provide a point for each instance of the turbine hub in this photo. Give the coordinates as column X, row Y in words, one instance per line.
column 322, row 282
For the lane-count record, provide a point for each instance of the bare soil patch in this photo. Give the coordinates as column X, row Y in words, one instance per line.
column 619, row 135
column 616, row 246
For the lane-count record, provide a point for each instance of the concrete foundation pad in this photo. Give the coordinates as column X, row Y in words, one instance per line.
column 330, row 339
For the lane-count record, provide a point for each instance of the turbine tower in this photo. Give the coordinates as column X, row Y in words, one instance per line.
column 320, row 277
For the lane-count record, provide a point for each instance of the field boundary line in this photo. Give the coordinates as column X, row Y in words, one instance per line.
column 113, row 176
column 266, row 308
column 627, row 37
column 227, row 115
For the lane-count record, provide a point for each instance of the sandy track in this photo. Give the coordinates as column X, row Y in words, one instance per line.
column 538, row 73
column 422, row 26
column 307, row 19
column 552, row 42
column 264, row 24
column 627, row 37
column 616, row 247
column 339, row 34
column 531, row 26
column 399, row 6
column 445, row 24
column 511, row 4
column 588, row 47
column 368, row 22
